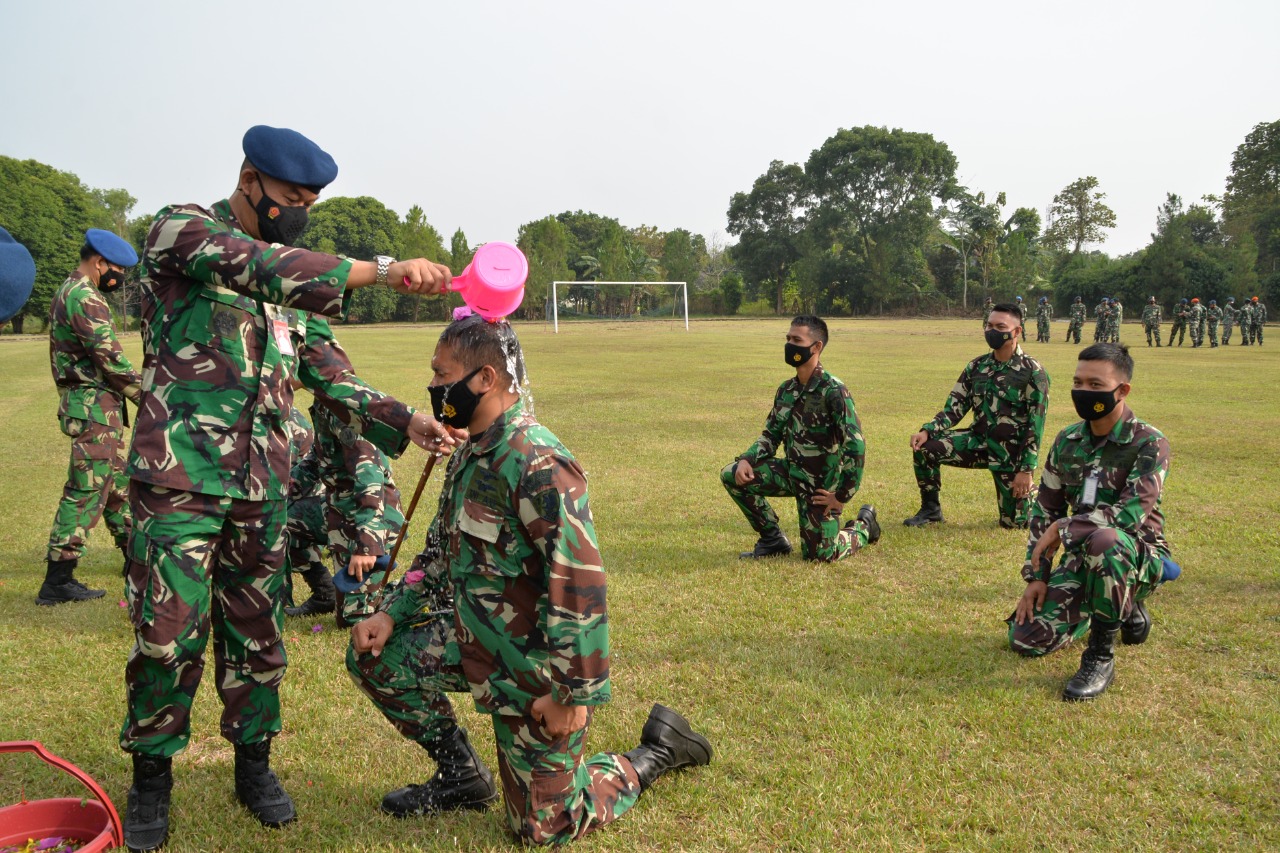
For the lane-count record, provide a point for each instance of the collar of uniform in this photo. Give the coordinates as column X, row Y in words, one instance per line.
column 814, row 378
column 1015, row 360
column 488, row 440
column 222, row 210
column 1122, row 433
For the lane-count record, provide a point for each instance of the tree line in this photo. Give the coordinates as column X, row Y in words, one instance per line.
column 874, row 221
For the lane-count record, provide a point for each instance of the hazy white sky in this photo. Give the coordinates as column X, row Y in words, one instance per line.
column 492, row 114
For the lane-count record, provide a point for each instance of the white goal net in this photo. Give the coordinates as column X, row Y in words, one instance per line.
column 618, row 301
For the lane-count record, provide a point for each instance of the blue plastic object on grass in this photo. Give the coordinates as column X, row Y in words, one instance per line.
column 1170, row 570
column 347, row 584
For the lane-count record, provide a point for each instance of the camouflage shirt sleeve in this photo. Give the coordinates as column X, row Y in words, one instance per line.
column 304, row 476
column 1050, row 506
column 555, row 514
column 853, row 449
column 957, row 404
column 1036, row 400
column 774, row 428
column 374, row 527
column 91, row 322
column 1139, row 497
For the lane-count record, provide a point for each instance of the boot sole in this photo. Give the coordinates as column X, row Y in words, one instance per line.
column 678, row 724
column 469, row 806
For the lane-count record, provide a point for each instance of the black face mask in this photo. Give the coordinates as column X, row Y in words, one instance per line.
column 1092, row 405
column 997, row 339
column 278, row 223
column 110, row 280
column 798, row 355
column 455, row 403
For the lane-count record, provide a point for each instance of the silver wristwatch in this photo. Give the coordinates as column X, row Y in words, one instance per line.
column 384, row 263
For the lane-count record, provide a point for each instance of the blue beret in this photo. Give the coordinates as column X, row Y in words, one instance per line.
column 17, row 276
column 114, row 250
column 287, row 155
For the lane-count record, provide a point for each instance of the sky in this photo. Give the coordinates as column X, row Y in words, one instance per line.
column 493, row 114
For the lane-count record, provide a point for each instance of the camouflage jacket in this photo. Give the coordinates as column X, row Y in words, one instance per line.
column 1182, row 313
column 817, row 428
column 1215, row 315
column 362, row 503
column 1246, row 314
column 515, row 527
column 1229, row 314
column 219, row 354
column 1101, row 311
column 1259, row 313
column 1078, row 312
column 1117, row 312
column 1132, row 460
column 1044, row 312
column 1151, row 315
column 1197, row 314
column 90, row 369
column 1022, row 310
column 1009, row 401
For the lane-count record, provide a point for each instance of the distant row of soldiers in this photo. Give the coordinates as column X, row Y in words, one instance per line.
column 1189, row 316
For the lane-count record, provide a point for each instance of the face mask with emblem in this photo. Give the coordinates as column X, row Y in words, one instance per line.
column 110, row 280
column 455, row 403
column 797, row 355
column 996, row 338
column 1093, row 405
column 278, row 223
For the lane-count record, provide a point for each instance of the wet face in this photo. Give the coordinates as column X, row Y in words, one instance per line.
column 446, row 369
column 1100, row 376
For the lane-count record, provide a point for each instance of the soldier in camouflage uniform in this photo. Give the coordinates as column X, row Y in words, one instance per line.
column 359, row 516
column 1078, row 311
column 814, row 423
column 1044, row 314
column 987, row 305
column 1100, row 313
column 1229, row 315
column 530, row 613
column 1008, row 392
column 1099, row 501
column 1181, row 316
column 211, row 455
column 1257, row 319
column 1196, row 322
column 1151, row 316
column 93, row 377
column 1115, row 316
column 1246, row 323
column 1214, row 313
column 1022, row 315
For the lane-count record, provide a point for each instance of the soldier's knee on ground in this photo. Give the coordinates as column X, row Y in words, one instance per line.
column 1100, row 541
column 1032, row 639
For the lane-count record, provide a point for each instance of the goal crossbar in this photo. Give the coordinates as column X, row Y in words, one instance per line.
column 555, row 306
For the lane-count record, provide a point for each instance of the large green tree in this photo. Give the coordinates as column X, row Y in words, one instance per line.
column 1078, row 216
column 360, row 228
column 1251, row 206
column 418, row 239
column 768, row 222
column 545, row 244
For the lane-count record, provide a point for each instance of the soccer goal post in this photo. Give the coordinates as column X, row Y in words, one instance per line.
column 616, row 300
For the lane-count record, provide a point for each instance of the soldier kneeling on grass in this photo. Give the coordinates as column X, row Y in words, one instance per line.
column 528, row 630
column 1099, row 501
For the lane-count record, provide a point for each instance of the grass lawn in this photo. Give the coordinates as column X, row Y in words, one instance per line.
column 869, row 704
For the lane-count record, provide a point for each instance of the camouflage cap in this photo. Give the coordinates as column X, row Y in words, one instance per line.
column 287, row 155
column 17, row 275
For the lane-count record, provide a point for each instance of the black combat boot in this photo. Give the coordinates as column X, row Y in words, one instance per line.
column 1097, row 664
column 146, row 817
column 667, row 743
column 1134, row 630
column 60, row 587
column 323, row 596
column 867, row 515
column 258, row 788
column 768, row 545
column 461, row 781
column 930, row 511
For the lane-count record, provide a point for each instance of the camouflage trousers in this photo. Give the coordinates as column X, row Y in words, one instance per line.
column 1255, row 333
column 1073, row 330
column 1178, row 330
column 1213, row 333
column 1100, row 331
column 821, row 538
column 1226, row 331
column 1153, row 329
column 309, row 539
column 1042, row 331
column 1102, row 576
column 1245, row 332
column 408, row 681
column 198, row 562
column 964, row 448
column 96, row 488
column 553, row 794
column 1197, row 333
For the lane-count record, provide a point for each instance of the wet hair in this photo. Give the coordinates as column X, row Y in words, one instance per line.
column 1117, row 355
column 476, row 342
column 817, row 328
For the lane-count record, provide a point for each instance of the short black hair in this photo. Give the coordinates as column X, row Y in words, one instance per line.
column 817, row 328
column 476, row 342
column 1006, row 308
column 1116, row 354
column 87, row 252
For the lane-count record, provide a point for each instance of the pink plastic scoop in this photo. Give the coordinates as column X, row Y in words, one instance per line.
column 492, row 285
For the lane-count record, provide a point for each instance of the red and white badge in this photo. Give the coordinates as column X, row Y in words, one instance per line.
column 283, row 342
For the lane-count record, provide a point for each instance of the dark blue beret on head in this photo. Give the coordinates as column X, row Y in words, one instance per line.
column 113, row 249
column 287, row 155
column 17, row 275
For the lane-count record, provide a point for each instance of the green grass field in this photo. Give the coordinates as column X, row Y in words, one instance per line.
column 869, row 704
